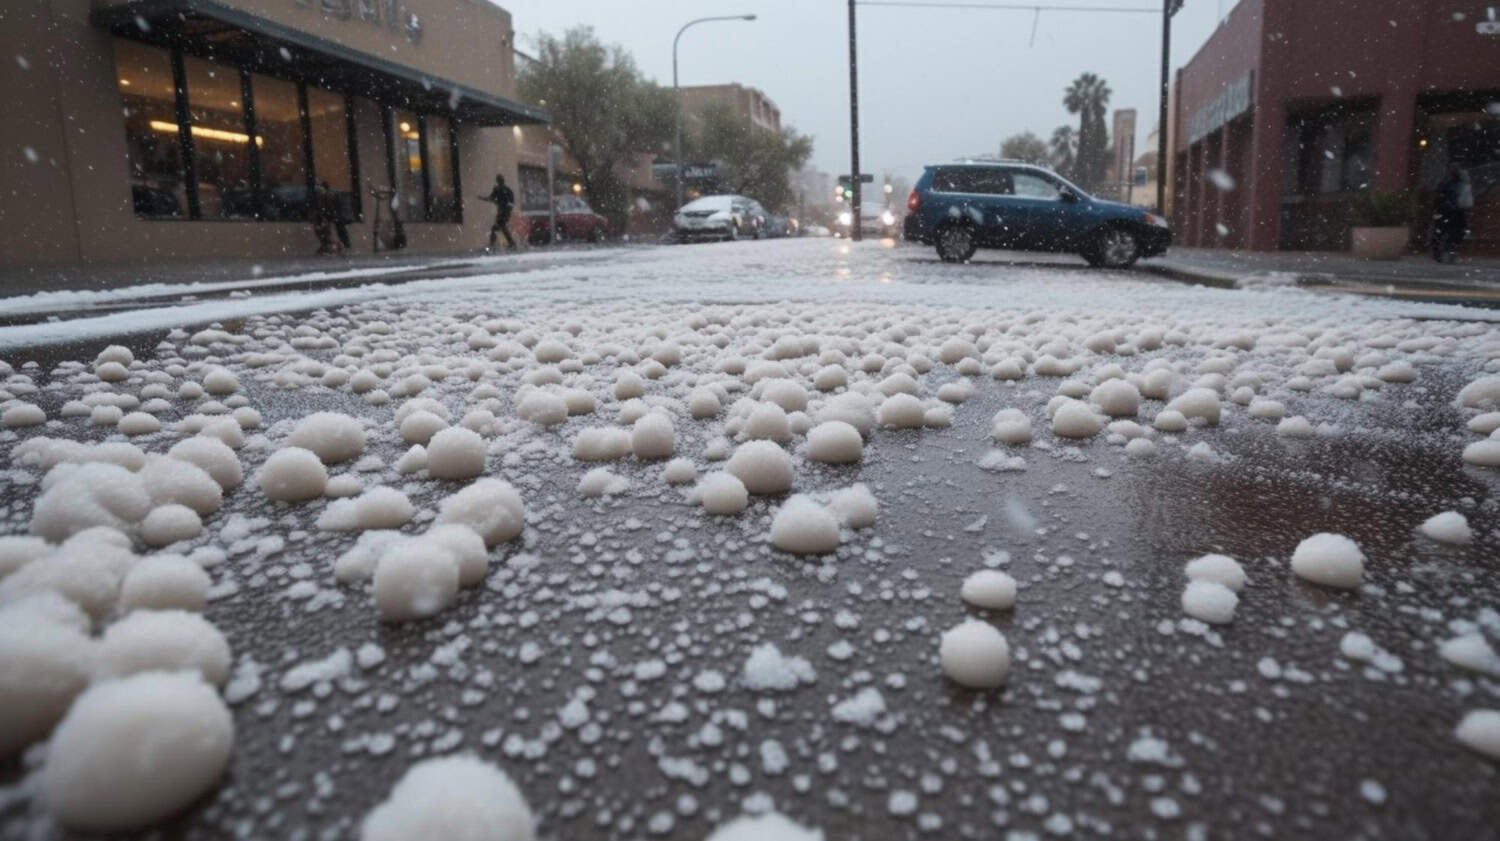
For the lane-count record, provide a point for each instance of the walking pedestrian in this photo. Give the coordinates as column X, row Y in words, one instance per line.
column 505, row 201
column 1450, row 217
column 340, row 224
column 325, row 217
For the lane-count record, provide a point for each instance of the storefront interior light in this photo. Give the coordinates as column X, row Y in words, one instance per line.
column 208, row 133
column 405, row 127
column 124, row 83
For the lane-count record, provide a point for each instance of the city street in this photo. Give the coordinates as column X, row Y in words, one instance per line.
column 601, row 661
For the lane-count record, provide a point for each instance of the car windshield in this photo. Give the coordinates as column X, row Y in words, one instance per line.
column 710, row 203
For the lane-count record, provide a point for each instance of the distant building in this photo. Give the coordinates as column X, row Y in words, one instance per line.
column 1293, row 110
column 755, row 106
column 1120, row 172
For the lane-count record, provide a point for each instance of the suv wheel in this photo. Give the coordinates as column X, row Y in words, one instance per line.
column 956, row 243
column 1115, row 248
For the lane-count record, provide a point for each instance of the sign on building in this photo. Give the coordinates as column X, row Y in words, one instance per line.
column 1230, row 102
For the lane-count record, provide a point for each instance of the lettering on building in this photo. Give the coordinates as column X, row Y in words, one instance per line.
column 390, row 12
column 1230, row 102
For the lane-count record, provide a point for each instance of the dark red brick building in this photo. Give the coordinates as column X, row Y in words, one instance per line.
column 1305, row 106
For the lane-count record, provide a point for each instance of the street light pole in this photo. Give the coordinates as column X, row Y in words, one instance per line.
column 1168, row 9
column 677, row 94
column 854, row 197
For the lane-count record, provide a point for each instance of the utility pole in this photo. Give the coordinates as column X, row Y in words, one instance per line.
column 1168, row 9
column 854, row 203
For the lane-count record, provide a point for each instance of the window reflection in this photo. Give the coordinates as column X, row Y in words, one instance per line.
column 220, row 141
column 283, row 159
column 144, row 79
column 408, row 137
column 444, row 204
column 327, row 115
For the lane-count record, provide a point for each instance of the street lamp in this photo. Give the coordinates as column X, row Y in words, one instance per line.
column 676, row 94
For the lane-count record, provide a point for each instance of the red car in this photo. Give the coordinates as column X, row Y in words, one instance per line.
column 575, row 221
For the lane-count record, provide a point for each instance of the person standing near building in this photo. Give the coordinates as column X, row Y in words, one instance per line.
column 505, row 201
column 1450, row 217
column 324, row 213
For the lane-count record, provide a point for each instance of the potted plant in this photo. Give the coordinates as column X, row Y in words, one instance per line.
column 1382, row 225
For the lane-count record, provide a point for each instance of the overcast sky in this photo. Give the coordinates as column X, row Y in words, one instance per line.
column 935, row 84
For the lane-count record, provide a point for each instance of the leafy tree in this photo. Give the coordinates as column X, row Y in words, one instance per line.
column 1064, row 147
column 1088, row 97
column 1025, row 147
column 753, row 161
column 603, row 110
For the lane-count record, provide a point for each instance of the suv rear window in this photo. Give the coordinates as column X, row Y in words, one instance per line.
column 971, row 179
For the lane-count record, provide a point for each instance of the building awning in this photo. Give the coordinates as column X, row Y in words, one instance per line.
column 211, row 28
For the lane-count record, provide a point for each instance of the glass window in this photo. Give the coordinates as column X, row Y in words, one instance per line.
column 444, row 204
column 153, row 151
column 283, row 159
column 1031, row 186
column 972, row 180
column 220, row 143
column 409, row 191
column 330, row 141
column 533, row 190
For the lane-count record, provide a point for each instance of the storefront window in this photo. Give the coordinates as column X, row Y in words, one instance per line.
column 410, row 192
column 221, row 144
column 443, row 205
column 328, row 119
column 1333, row 152
column 283, row 157
column 149, row 96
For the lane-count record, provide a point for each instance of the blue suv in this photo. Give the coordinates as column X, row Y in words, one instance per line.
column 964, row 207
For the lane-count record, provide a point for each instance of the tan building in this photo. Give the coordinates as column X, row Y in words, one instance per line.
column 751, row 102
column 198, row 128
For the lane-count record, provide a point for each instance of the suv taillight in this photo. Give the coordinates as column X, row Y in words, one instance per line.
column 913, row 202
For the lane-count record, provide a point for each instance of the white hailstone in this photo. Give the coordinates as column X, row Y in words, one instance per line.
column 956, row 349
column 771, row 826
column 835, row 442
column 723, row 493
column 1448, row 527
column 632, row 411
column 226, row 430
column 851, row 408
column 975, row 654
column 902, row 411
column 45, row 661
column 1075, row 419
column 542, row 408
column 1295, row 426
column 830, row 377
column 358, row 562
column 80, row 496
column 293, row 474
column 1473, row 652
column 115, row 353
column 412, row 461
column 629, row 385
column 452, row 797
column 703, row 403
column 87, row 569
column 1220, row 569
column 377, row 508
column 163, row 641
column 600, row 482
column 106, row 416
column 17, row 551
column 767, row 669
column 804, row 527
column 1483, row 393
column 767, row 421
column 1266, row 409
column 1197, row 403
column 989, row 588
column 111, row 372
column 220, row 381
column 652, row 436
column 419, row 426
column 22, row 414
column 170, row 480
column 551, row 350
column 1332, row 560
column 1209, row 601
column 213, row 456
column 133, row 752
column 333, row 436
column 138, row 423
column 414, row 579
column 455, row 453
column 1483, row 453
column 1116, row 397
column 167, row 524
column 165, row 582
column 1140, row 448
column 1011, row 426
column 1397, row 372
column 481, row 421
column 190, row 391
column 491, row 507
column 1479, row 730
column 1008, row 369
column 1484, row 424
column 938, row 417
column 855, row 506
column 898, row 383
column 1170, row 420
column 679, row 471
column 467, row 548
column 790, row 396
column 601, row 444
column 764, row 467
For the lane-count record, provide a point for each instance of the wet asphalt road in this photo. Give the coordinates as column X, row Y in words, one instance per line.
column 1096, row 668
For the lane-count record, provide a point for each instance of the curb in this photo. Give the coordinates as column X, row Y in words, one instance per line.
column 1198, row 277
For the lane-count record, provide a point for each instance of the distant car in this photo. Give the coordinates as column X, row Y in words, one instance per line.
column 960, row 208
column 725, row 217
column 575, row 221
column 874, row 218
column 778, row 226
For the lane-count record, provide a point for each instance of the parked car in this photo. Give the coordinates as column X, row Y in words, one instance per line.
column 874, row 218
column 575, row 221
column 724, row 217
column 779, row 225
column 963, row 207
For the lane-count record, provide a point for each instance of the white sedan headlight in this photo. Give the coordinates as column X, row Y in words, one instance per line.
column 846, row 218
column 1153, row 219
column 887, row 218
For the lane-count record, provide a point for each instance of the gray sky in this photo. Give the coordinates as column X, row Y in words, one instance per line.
column 935, row 84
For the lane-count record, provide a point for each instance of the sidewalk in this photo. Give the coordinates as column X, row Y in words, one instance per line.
column 1238, row 269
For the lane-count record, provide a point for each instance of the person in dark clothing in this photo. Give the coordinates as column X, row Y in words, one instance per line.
column 504, row 201
column 1450, row 218
column 340, row 225
column 325, row 219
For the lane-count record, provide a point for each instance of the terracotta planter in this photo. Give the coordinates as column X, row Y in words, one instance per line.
column 1379, row 243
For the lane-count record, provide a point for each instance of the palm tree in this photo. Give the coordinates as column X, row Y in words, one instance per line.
column 1064, row 148
column 1088, row 97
